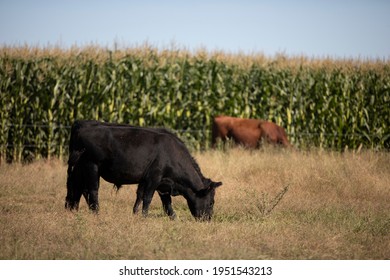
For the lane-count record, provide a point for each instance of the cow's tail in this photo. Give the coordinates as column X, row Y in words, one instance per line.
column 73, row 159
column 74, row 152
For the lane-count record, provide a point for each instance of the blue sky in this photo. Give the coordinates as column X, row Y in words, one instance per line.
column 335, row 28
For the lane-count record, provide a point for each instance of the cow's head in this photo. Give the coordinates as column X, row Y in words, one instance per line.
column 202, row 203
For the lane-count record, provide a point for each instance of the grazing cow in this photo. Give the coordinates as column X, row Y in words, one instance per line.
column 248, row 132
column 153, row 158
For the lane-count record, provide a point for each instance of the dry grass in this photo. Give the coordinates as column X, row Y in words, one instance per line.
column 336, row 207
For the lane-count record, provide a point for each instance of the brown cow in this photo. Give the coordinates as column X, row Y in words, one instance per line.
column 248, row 132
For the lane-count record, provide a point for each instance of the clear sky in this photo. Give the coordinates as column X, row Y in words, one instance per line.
column 317, row 28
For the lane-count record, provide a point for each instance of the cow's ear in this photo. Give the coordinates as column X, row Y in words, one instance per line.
column 211, row 185
column 215, row 184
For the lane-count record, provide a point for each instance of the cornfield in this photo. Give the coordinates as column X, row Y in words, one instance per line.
column 327, row 103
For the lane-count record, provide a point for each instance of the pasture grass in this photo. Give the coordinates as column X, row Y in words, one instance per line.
column 274, row 204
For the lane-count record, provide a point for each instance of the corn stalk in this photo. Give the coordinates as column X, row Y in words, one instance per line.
column 326, row 104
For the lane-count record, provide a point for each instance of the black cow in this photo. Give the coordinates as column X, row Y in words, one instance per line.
column 153, row 158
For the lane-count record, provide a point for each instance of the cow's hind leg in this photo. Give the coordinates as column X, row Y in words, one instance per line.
column 92, row 185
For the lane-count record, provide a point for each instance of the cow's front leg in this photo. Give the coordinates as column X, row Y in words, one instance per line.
column 140, row 194
column 167, row 204
column 147, row 197
column 149, row 185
